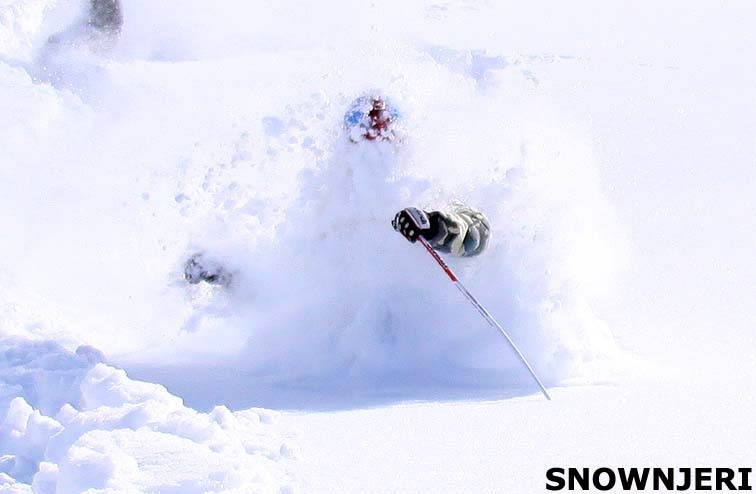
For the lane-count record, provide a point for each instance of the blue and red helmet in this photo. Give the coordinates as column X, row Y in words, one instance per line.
column 370, row 118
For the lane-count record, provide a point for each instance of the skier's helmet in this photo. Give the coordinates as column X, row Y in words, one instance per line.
column 371, row 118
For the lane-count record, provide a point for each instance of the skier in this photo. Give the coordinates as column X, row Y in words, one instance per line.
column 462, row 231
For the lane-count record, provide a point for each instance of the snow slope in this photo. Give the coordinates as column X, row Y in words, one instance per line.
column 611, row 147
column 508, row 445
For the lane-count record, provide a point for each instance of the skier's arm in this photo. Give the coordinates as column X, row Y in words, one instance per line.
column 461, row 232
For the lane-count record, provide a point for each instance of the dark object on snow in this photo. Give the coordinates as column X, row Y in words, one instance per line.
column 461, row 232
column 370, row 118
column 198, row 268
column 105, row 16
column 99, row 30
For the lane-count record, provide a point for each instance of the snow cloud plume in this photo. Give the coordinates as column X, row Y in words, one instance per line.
column 169, row 144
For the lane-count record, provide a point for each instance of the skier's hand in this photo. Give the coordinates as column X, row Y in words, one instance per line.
column 412, row 222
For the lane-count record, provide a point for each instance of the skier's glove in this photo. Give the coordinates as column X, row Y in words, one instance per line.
column 413, row 222
column 198, row 268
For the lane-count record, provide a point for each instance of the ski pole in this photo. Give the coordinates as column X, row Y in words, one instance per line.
column 482, row 310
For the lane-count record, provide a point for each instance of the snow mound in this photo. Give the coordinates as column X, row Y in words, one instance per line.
column 71, row 424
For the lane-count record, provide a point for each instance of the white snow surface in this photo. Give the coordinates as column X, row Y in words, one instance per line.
column 611, row 147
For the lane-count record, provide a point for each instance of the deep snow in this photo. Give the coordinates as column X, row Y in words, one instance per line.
column 611, row 147
column 72, row 423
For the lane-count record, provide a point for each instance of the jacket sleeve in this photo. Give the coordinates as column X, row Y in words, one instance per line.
column 461, row 232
